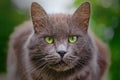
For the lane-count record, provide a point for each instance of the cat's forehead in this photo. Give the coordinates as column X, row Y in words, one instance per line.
column 59, row 17
column 60, row 23
column 59, row 20
column 60, row 26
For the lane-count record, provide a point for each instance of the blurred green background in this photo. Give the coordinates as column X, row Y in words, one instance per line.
column 105, row 22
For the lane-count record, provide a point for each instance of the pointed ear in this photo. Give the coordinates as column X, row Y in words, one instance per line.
column 39, row 17
column 82, row 15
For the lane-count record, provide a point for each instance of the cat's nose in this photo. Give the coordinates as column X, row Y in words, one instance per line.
column 62, row 53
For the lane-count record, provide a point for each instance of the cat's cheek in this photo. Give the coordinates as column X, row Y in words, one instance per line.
column 72, row 50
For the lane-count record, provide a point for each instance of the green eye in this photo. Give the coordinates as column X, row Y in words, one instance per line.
column 72, row 39
column 49, row 40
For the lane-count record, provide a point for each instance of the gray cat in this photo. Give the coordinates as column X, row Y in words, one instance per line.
column 56, row 47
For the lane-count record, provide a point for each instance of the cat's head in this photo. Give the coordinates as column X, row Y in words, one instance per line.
column 60, row 42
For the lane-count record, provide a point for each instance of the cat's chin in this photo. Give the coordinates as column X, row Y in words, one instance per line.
column 61, row 66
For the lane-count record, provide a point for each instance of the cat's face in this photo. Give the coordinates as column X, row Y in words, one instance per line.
column 60, row 42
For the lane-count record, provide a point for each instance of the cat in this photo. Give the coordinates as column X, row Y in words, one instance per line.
column 56, row 47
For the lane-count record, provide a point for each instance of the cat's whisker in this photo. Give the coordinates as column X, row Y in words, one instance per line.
column 39, row 56
column 33, row 69
column 50, row 57
column 41, row 65
column 41, row 71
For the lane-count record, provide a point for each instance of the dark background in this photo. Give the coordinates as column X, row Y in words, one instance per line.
column 105, row 23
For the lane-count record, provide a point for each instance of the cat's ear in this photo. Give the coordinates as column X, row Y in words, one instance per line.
column 39, row 17
column 82, row 15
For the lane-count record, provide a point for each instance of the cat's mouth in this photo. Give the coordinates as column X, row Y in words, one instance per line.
column 61, row 63
column 60, row 66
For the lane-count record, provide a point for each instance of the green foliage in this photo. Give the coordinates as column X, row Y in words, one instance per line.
column 105, row 22
column 9, row 18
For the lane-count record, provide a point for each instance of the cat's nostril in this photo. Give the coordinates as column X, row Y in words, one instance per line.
column 61, row 53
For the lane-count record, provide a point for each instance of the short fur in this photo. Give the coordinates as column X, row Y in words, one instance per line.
column 31, row 58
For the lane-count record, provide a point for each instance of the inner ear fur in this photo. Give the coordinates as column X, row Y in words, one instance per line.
column 39, row 17
column 82, row 15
